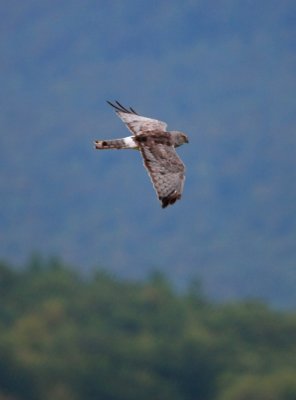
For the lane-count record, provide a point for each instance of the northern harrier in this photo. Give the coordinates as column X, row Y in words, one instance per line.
column 157, row 147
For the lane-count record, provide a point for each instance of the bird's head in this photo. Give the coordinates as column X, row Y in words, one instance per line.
column 179, row 138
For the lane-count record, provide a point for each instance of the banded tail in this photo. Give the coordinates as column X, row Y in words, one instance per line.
column 125, row 143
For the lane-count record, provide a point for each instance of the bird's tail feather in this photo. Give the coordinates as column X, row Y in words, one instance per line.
column 125, row 143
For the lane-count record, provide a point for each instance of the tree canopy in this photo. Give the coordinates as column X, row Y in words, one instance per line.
column 68, row 337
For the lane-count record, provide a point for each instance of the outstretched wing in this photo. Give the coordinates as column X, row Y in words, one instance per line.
column 136, row 123
column 165, row 168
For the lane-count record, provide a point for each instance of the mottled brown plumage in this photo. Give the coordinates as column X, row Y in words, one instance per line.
column 157, row 146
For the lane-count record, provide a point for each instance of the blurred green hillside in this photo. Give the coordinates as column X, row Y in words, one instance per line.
column 66, row 337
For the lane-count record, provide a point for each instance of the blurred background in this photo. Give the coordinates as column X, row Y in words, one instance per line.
column 220, row 260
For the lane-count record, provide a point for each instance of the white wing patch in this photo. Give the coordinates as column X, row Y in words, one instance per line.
column 129, row 142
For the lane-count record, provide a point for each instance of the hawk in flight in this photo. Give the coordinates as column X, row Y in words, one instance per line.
column 157, row 147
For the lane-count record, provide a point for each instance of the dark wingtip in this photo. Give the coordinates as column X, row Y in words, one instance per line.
column 114, row 105
column 170, row 199
column 109, row 102
column 133, row 111
column 121, row 108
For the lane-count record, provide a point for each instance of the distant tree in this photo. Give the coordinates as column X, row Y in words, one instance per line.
column 68, row 337
column 276, row 386
column 16, row 382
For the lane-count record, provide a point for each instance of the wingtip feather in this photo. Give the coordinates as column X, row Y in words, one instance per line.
column 119, row 107
column 170, row 199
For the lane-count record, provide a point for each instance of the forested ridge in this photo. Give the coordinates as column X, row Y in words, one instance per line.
column 64, row 336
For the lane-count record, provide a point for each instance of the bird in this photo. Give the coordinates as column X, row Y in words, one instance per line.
column 157, row 146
